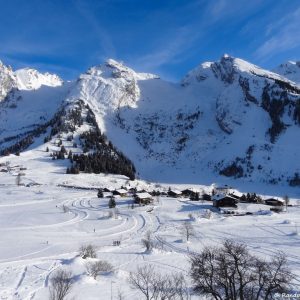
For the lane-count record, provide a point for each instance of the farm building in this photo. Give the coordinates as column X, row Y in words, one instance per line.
column 274, row 202
column 222, row 200
column 235, row 194
column 206, row 197
column 222, row 189
column 120, row 192
column 174, row 193
column 143, row 198
column 132, row 190
column 189, row 193
column 108, row 189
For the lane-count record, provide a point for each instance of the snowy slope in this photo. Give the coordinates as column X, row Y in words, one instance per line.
column 30, row 79
column 7, row 80
column 290, row 70
column 219, row 118
column 228, row 118
column 24, row 79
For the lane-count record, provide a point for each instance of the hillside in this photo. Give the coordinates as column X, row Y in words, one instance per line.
column 225, row 120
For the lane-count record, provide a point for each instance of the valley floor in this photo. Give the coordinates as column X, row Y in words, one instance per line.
column 37, row 237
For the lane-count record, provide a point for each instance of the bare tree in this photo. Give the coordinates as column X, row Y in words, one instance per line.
column 96, row 267
column 87, row 251
column 120, row 295
column 187, row 230
column 147, row 241
column 144, row 280
column 286, row 201
column 65, row 208
column 61, row 284
column 154, row 286
column 231, row 272
column 172, row 287
column 18, row 179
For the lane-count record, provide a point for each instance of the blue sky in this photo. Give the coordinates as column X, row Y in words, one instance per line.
column 166, row 37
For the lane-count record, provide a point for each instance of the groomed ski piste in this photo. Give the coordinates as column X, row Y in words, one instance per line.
column 38, row 237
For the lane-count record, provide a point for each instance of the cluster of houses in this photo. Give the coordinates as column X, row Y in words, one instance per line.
column 219, row 196
column 140, row 196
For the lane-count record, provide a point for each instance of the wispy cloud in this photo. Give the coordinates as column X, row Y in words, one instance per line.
column 105, row 43
column 170, row 50
column 281, row 36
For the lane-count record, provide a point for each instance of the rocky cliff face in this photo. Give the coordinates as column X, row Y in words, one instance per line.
column 7, row 80
column 228, row 118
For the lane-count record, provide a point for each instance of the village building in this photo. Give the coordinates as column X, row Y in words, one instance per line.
column 107, row 194
column 143, row 198
column 206, row 197
column 222, row 200
column 120, row 192
column 187, row 193
column 235, row 194
column 274, row 202
column 174, row 193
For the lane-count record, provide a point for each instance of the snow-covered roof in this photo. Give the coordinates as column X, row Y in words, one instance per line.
column 236, row 193
column 176, row 192
column 121, row 191
column 276, row 199
column 191, row 189
column 220, row 196
column 143, row 195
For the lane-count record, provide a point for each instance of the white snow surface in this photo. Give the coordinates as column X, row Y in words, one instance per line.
column 38, row 238
column 30, row 79
column 290, row 70
column 170, row 132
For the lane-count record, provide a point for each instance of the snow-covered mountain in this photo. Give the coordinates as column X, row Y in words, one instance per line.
column 7, row 80
column 24, row 79
column 30, row 79
column 290, row 70
column 227, row 118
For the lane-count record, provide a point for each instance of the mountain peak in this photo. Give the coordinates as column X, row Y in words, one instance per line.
column 31, row 79
column 112, row 63
column 229, row 68
column 113, row 69
column 290, row 70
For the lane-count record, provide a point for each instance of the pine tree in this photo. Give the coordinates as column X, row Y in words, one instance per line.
column 112, row 202
column 100, row 193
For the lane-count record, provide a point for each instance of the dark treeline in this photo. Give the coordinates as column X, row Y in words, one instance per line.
column 27, row 138
column 103, row 157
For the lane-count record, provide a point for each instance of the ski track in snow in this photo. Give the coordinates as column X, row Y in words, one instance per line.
column 29, row 270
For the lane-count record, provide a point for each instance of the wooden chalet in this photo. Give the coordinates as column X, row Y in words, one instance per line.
column 274, row 202
column 174, row 193
column 132, row 190
column 120, row 192
column 206, row 197
column 187, row 193
column 222, row 200
column 236, row 195
column 143, row 198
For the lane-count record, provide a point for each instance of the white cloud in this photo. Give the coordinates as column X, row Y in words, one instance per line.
column 282, row 35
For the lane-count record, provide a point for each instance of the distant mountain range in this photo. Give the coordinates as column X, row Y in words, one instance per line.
column 227, row 118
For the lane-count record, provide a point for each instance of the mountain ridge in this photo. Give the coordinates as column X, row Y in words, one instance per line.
column 194, row 127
